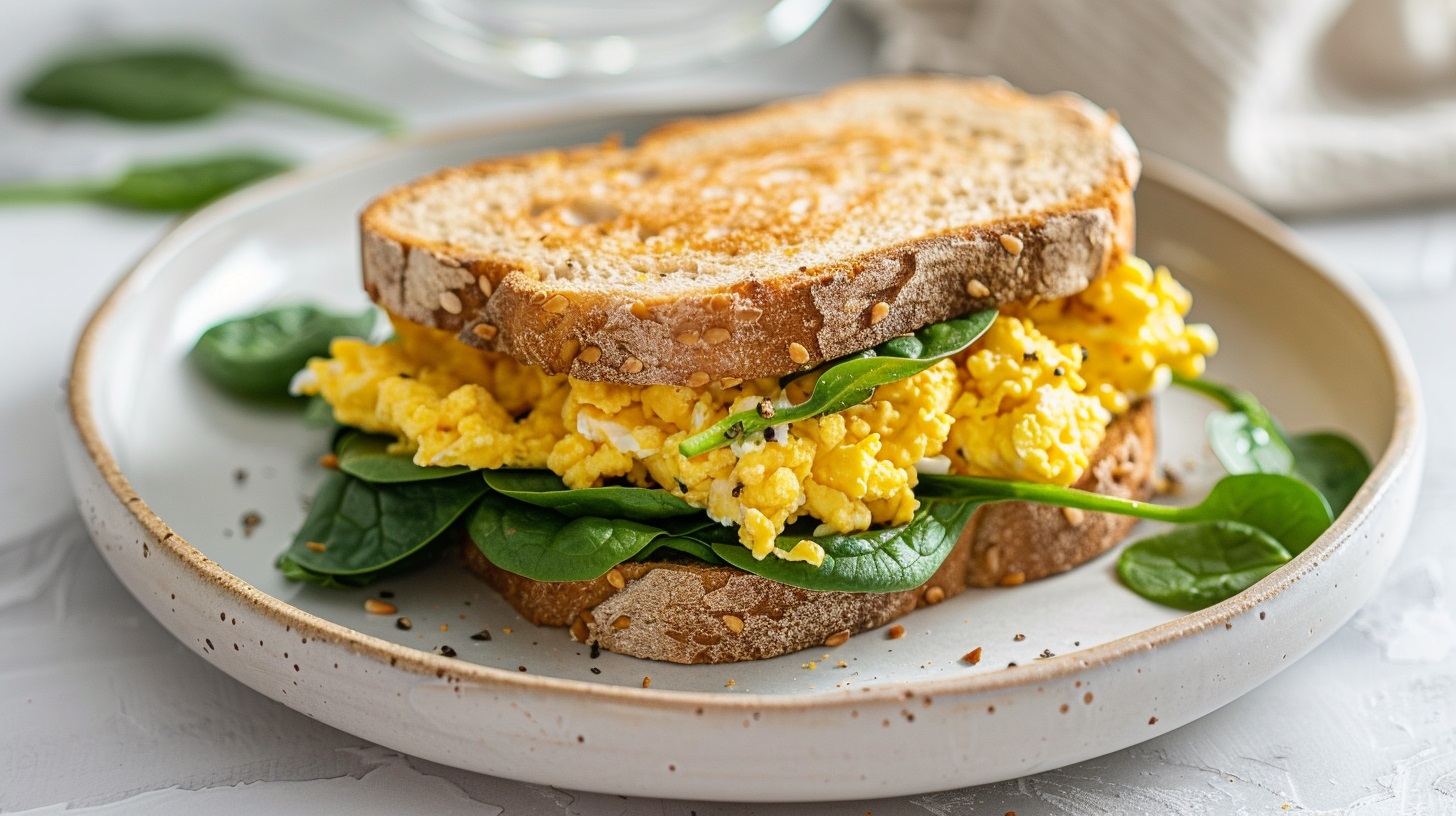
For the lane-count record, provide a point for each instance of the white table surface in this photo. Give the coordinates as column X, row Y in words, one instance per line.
column 101, row 711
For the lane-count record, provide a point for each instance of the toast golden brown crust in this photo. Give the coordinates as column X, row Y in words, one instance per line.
column 688, row 612
column 764, row 242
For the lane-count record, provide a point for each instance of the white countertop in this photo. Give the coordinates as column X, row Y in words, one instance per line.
column 105, row 712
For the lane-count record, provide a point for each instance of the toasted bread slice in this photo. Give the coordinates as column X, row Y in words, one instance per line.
column 761, row 243
column 689, row 612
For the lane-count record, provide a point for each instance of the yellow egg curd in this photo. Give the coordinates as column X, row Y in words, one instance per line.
column 1031, row 399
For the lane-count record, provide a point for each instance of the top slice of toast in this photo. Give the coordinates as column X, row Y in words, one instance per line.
column 764, row 242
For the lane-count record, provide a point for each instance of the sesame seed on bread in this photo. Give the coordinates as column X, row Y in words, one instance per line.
column 759, row 243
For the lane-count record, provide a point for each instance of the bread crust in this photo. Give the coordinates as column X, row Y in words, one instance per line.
column 680, row 611
column 767, row 316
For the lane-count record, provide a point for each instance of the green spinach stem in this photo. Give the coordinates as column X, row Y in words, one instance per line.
column 318, row 100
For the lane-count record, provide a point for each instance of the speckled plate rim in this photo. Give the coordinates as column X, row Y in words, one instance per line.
column 1403, row 448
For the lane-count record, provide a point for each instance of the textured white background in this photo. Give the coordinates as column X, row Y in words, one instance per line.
column 101, row 711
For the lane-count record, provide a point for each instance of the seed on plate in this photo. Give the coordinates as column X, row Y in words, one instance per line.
column 374, row 606
column 557, row 304
column 631, row 365
column 734, row 623
column 837, row 639
column 614, row 577
column 977, row 289
column 404, row 623
column 1019, row 638
column 896, row 632
column 878, row 312
column 1011, row 244
column 716, row 335
column 934, row 595
column 450, row 302
column 973, row 656
column 590, row 355
column 622, row 622
column 485, row 331
column 446, row 651
column 483, row 634
column 798, row 353
column 646, row 682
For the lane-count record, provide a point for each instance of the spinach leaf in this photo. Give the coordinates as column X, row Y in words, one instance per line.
column 172, row 186
column 318, row 413
column 1197, row 565
column 1281, row 506
column 256, row 356
column 177, row 83
column 366, row 456
column 542, row 544
column 852, row 380
column 543, row 488
column 885, row 560
column 1333, row 464
column 687, row 546
column 1248, row 439
column 358, row 528
column 294, row 571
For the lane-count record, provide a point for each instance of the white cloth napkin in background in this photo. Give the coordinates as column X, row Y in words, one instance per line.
column 1303, row 105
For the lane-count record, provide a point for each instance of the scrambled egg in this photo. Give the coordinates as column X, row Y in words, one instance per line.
column 1030, row 400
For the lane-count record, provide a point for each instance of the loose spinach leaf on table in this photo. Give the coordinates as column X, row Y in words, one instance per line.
column 542, row 544
column 1197, row 565
column 357, row 528
column 851, row 380
column 366, row 456
column 256, row 356
column 170, row 186
column 543, row 488
column 884, row 560
column 177, row 83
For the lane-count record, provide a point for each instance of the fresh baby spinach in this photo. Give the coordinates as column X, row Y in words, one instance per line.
column 883, row 560
column 355, row 529
column 171, row 186
column 1197, row 565
column 177, row 83
column 1332, row 463
column 1247, row 439
column 852, row 380
column 543, row 488
column 544, row 545
column 1281, row 506
column 256, row 356
column 366, row 456
column 687, row 546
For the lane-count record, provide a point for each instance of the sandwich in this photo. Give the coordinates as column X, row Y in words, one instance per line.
column 677, row 397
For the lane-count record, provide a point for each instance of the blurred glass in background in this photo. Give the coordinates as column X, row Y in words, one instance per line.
column 555, row 39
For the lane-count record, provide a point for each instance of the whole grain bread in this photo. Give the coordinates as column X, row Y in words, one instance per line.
column 689, row 612
column 760, row 243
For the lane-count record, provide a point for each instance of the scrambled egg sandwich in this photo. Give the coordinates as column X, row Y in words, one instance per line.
column 659, row 321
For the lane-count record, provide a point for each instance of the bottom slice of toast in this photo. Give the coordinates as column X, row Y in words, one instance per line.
column 689, row 612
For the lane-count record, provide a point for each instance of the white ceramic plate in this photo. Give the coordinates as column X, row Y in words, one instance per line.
column 165, row 470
